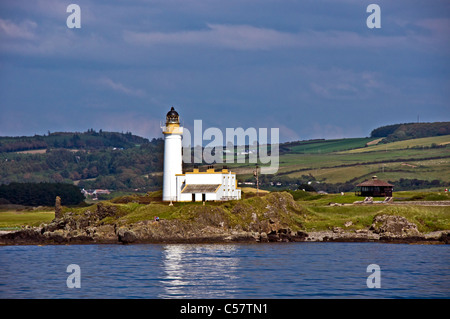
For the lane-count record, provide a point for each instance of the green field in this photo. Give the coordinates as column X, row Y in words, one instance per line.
column 13, row 219
column 427, row 219
column 328, row 146
column 338, row 161
column 417, row 142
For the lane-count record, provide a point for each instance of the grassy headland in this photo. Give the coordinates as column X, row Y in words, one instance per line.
column 297, row 210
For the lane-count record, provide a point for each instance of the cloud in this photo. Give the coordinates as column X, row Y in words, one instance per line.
column 247, row 37
column 23, row 30
column 242, row 37
column 119, row 87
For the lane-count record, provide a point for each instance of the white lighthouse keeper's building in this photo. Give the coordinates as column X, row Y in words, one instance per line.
column 191, row 186
column 199, row 186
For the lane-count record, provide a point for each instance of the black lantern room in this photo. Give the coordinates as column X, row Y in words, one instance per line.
column 172, row 117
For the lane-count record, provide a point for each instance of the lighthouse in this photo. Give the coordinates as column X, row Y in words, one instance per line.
column 195, row 186
column 172, row 155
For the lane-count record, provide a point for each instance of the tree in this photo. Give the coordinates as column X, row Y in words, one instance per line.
column 41, row 194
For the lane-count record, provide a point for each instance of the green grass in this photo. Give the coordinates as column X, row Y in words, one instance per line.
column 422, row 195
column 427, row 218
column 427, row 164
column 135, row 212
column 308, row 211
column 329, row 161
column 321, row 218
column 417, row 142
column 15, row 219
column 328, row 146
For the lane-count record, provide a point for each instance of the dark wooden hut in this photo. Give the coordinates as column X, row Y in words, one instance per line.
column 375, row 188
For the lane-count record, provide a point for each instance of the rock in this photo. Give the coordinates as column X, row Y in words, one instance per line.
column 348, row 224
column 334, row 204
column 105, row 211
column 58, row 208
column 256, row 236
column 396, row 226
column 337, row 230
column 445, row 237
column 263, row 237
column 54, row 225
column 273, row 236
column 126, row 236
column 301, row 236
column 24, row 236
column 105, row 233
column 58, row 236
column 240, row 236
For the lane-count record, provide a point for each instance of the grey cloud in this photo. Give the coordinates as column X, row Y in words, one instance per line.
column 119, row 87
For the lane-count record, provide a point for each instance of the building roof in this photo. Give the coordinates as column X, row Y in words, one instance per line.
column 200, row 188
column 374, row 182
column 208, row 171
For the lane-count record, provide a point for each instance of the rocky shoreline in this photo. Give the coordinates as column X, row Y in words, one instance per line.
column 89, row 229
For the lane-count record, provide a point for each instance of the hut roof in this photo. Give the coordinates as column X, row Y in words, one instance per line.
column 374, row 182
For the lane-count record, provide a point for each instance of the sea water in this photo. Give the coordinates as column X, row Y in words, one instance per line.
column 273, row 270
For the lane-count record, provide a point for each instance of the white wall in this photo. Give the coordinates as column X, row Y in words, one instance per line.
column 172, row 165
column 227, row 188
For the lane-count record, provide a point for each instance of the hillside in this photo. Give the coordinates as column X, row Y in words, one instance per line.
column 71, row 140
column 337, row 165
column 425, row 142
column 100, row 160
column 399, row 132
column 125, row 162
column 323, row 146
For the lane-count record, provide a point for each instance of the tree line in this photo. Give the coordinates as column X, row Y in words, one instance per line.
column 90, row 139
column 118, row 169
column 398, row 132
column 40, row 194
column 310, row 184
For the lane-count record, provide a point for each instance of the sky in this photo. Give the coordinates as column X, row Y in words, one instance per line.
column 311, row 68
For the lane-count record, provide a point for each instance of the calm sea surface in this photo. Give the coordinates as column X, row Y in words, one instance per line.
column 286, row 270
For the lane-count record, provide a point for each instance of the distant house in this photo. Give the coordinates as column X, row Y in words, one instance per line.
column 95, row 193
column 374, row 188
column 101, row 192
column 87, row 193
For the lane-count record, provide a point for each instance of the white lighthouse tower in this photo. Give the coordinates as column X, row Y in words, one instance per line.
column 172, row 155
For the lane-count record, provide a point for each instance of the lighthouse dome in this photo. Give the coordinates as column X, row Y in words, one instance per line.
column 172, row 117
